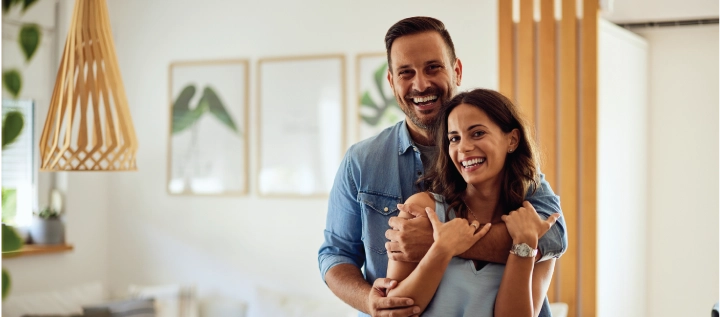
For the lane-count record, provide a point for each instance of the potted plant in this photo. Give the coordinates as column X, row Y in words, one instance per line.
column 47, row 227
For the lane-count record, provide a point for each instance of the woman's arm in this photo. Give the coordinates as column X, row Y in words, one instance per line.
column 524, row 283
column 419, row 281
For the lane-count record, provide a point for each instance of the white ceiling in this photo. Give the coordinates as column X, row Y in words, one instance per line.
column 659, row 10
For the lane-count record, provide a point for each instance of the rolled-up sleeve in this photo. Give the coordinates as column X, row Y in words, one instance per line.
column 554, row 243
column 342, row 236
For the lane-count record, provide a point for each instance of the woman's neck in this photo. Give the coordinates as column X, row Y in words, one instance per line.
column 483, row 200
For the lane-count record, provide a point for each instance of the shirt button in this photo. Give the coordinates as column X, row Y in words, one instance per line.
column 386, row 208
column 418, row 173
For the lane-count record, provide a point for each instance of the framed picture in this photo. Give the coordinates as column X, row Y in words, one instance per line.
column 377, row 108
column 208, row 144
column 301, row 124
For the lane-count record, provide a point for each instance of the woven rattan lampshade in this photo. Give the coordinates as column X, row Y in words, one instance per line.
column 88, row 127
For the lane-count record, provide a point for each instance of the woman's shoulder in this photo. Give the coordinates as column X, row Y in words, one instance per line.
column 425, row 199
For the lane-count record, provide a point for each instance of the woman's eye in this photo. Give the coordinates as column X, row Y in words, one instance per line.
column 454, row 139
column 479, row 133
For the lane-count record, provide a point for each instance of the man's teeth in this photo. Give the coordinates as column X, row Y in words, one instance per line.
column 424, row 99
column 473, row 162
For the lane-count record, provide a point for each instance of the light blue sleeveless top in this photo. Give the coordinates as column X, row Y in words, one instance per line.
column 464, row 291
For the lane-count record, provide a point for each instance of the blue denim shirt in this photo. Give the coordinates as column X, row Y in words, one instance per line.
column 374, row 176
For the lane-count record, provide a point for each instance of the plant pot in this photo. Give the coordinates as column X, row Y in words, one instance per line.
column 47, row 231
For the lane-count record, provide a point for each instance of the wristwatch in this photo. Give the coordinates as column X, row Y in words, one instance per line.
column 523, row 250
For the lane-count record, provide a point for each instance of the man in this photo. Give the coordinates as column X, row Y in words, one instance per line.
column 378, row 173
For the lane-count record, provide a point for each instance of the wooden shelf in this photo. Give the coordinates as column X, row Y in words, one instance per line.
column 33, row 249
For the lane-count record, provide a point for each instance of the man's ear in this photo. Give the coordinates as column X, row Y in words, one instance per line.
column 457, row 71
column 514, row 139
column 390, row 79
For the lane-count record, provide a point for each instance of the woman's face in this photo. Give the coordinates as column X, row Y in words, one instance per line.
column 477, row 146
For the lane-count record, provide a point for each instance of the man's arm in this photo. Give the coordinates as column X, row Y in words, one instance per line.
column 410, row 237
column 342, row 253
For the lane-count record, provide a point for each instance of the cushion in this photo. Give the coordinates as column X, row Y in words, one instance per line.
column 140, row 307
column 171, row 300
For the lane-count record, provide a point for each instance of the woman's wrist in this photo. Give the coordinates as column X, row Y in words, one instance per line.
column 441, row 250
column 530, row 240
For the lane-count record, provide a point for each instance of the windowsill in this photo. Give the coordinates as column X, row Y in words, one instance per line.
column 33, row 249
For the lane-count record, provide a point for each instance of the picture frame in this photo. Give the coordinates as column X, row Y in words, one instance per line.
column 301, row 121
column 208, row 130
column 376, row 106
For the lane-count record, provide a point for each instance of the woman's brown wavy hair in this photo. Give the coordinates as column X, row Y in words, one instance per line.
column 520, row 174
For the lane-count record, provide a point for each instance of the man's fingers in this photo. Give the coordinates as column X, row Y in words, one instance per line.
column 392, row 234
column 384, row 283
column 414, row 210
column 553, row 219
column 400, row 312
column 392, row 246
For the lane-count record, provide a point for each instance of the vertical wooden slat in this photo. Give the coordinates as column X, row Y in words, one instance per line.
column 569, row 153
column 525, row 59
column 506, row 49
column 547, row 124
column 588, row 159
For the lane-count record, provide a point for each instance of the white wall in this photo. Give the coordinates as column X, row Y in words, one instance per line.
column 622, row 173
column 86, row 207
column 230, row 245
column 683, row 233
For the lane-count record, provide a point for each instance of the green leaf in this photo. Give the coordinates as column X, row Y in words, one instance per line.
column 190, row 117
column 7, row 4
column 217, row 109
column 11, row 239
column 12, row 127
column 182, row 116
column 6, row 283
column 29, row 40
column 9, row 204
column 368, row 102
column 379, row 75
column 12, row 82
column 369, row 120
column 27, row 4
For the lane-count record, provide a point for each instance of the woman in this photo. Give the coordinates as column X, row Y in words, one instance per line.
column 487, row 163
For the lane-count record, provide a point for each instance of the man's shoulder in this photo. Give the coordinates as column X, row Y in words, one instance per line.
column 384, row 143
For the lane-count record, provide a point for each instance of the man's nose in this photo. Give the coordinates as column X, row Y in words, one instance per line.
column 421, row 82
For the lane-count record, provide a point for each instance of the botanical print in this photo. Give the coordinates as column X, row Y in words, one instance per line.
column 378, row 108
column 208, row 143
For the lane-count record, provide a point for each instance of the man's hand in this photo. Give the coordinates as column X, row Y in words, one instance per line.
column 410, row 238
column 381, row 306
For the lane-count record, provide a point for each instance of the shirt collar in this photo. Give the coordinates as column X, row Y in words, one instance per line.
column 405, row 142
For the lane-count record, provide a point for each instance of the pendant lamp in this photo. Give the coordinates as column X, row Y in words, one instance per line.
column 88, row 127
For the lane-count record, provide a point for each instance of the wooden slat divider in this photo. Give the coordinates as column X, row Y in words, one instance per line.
column 506, row 48
column 569, row 153
column 547, row 126
column 588, row 159
column 525, row 60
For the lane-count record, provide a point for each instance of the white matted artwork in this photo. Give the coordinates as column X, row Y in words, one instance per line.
column 208, row 146
column 377, row 108
column 301, row 124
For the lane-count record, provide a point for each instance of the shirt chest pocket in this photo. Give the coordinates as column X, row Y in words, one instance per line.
column 377, row 209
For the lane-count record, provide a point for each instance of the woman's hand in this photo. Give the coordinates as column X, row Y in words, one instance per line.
column 455, row 236
column 525, row 225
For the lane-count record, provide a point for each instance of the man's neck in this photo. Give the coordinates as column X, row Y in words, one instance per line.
column 419, row 135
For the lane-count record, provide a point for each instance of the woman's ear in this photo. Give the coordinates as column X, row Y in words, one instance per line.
column 513, row 139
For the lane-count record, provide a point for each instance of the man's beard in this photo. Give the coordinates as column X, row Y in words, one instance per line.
column 410, row 112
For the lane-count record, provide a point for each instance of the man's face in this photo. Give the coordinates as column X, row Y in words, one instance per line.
column 422, row 76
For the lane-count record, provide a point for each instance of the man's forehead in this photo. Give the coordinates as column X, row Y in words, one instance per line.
column 418, row 48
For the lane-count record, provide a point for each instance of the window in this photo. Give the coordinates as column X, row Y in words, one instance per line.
column 19, row 172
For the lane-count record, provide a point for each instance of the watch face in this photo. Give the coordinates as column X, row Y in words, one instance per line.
column 523, row 250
